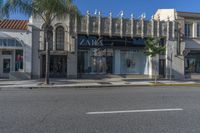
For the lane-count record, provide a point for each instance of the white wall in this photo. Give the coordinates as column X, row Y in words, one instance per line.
column 164, row 14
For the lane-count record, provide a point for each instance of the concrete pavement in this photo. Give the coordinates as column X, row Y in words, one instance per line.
column 110, row 82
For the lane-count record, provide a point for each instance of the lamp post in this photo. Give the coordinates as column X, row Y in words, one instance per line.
column 171, row 59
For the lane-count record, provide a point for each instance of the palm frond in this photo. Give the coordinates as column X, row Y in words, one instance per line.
column 17, row 6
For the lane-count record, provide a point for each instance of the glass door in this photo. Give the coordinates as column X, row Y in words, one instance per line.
column 6, row 65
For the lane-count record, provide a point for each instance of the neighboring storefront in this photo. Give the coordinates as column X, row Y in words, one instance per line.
column 15, row 49
column 192, row 62
column 115, row 55
column 11, row 56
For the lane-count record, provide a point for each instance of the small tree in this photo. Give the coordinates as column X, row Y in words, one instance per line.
column 47, row 10
column 154, row 48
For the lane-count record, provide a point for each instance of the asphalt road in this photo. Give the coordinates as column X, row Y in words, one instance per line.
column 101, row 110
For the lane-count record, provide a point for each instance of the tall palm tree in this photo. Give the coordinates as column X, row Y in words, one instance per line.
column 1, row 4
column 47, row 10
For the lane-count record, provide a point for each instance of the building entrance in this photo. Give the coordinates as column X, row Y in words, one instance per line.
column 57, row 66
column 162, row 68
column 6, row 66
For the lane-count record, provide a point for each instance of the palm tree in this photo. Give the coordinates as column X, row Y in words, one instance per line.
column 47, row 10
column 1, row 4
column 153, row 49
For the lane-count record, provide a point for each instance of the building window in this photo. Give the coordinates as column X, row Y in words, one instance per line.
column 188, row 28
column 10, row 43
column 60, row 38
column 198, row 30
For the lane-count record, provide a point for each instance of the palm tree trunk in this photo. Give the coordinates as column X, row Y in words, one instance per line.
column 47, row 36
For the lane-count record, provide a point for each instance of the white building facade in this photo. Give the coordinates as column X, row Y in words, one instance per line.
column 186, row 54
column 103, row 46
column 98, row 46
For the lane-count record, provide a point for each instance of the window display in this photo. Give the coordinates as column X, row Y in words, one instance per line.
column 19, row 60
column 192, row 64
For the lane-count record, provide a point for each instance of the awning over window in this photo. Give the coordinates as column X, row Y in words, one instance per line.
column 192, row 44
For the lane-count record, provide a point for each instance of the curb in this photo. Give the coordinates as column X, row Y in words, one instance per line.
column 94, row 86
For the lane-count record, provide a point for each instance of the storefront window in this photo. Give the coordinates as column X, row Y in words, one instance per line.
column 19, row 60
column 95, row 61
column 9, row 43
column 133, row 62
column 192, row 64
column 127, row 62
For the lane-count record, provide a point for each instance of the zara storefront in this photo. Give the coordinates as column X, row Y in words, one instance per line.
column 111, row 55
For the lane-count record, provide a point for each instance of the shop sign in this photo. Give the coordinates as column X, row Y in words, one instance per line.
column 90, row 41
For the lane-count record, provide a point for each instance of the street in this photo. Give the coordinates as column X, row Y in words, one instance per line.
column 101, row 110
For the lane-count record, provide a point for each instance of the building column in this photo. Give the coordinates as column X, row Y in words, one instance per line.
column 174, row 29
column 54, row 40
column 158, row 27
column 168, row 29
column 152, row 27
column 121, row 26
column 110, row 24
column 99, row 24
column 88, row 23
column 142, row 27
column 132, row 26
column 194, row 34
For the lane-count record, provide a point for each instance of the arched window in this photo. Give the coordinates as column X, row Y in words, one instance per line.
column 43, row 39
column 60, row 36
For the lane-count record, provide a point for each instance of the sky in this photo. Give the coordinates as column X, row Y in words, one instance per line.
column 136, row 7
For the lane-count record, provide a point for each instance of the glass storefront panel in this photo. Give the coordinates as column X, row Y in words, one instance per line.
column 192, row 63
column 127, row 64
column 133, row 62
column 95, row 61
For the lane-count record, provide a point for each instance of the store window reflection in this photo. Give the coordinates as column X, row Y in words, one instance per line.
column 96, row 61
column 192, row 64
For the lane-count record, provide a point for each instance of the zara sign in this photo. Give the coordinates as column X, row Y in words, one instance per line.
column 90, row 41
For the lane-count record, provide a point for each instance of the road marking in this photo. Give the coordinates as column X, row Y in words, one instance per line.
column 134, row 111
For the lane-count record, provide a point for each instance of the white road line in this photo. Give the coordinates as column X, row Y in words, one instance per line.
column 134, row 111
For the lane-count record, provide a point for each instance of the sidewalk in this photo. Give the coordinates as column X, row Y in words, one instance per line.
column 86, row 83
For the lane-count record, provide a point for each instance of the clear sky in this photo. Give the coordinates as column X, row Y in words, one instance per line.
column 137, row 7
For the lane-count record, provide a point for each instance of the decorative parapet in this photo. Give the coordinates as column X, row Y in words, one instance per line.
column 109, row 26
